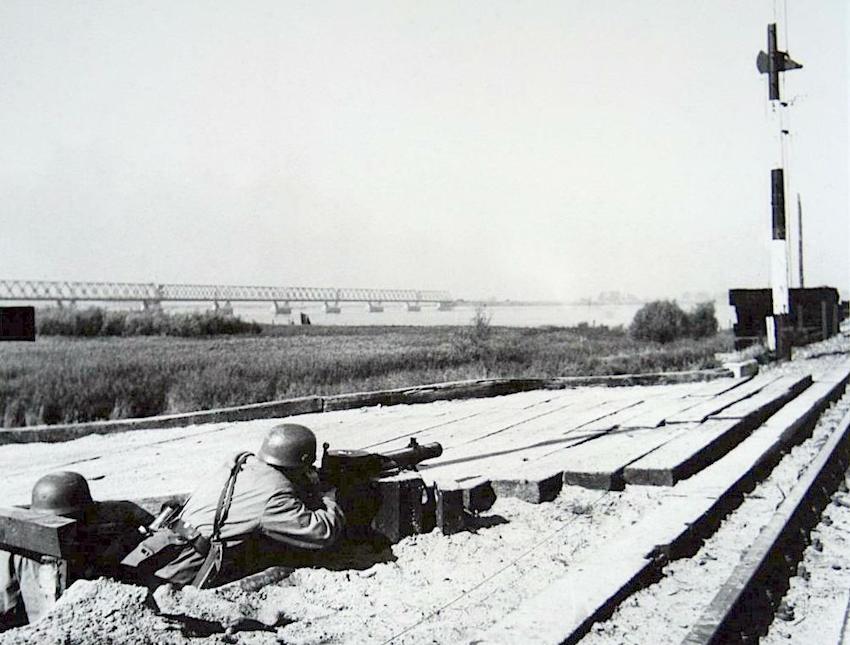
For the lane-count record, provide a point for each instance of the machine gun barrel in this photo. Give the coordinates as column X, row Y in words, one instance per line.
column 413, row 454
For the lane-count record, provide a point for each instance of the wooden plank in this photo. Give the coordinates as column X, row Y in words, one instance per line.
column 608, row 422
column 534, row 488
column 595, row 585
column 788, row 426
column 631, row 380
column 766, row 401
column 463, row 426
column 434, row 392
column 529, row 464
column 384, row 428
column 839, row 374
column 37, row 532
column 496, row 422
column 719, row 386
column 714, row 405
column 706, row 442
column 519, row 444
column 450, row 516
column 657, row 412
column 600, row 463
column 688, row 453
column 539, row 430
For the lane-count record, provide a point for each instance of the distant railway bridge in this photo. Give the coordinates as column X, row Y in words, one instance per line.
column 151, row 295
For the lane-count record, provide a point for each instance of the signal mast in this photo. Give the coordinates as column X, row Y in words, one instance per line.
column 773, row 63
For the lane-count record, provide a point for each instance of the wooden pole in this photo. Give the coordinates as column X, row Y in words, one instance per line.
column 800, row 240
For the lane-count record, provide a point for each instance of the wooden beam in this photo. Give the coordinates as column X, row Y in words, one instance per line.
column 36, row 532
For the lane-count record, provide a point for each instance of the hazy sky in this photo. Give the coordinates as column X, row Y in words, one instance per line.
column 495, row 148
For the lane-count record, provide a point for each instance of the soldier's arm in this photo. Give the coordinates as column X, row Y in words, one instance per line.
column 287, row 519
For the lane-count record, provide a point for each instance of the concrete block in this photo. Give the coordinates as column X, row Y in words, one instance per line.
column 741, row 369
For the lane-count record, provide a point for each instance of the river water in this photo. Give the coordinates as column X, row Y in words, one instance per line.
column 505, row 315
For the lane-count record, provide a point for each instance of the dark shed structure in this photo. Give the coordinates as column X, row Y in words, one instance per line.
column 814, row 314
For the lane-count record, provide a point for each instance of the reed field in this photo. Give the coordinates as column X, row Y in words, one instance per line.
column 73, row 379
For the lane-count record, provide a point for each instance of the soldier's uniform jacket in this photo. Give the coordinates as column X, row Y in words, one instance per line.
column 265, row 504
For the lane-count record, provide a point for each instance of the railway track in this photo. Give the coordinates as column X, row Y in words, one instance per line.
column 732, row 589
column 752, row 597
column 715, row 561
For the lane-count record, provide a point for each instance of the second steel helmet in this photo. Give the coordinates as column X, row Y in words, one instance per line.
column 289, row 446
column 63, row 493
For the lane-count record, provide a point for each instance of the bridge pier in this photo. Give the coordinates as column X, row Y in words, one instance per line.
column 152, row 305
column 225, row 309
column 332, row 308
column 446, row 305
column 414, row 306
column 375, row 307
column 282, row 310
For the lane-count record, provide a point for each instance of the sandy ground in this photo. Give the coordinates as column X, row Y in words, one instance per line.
column 428, row 589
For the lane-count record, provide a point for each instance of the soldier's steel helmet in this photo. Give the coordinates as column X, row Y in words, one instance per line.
column 63, row 493
column 289, row 446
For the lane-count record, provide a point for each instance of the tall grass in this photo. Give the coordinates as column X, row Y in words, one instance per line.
column 56, row 380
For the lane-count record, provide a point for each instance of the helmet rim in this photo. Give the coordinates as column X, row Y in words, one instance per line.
column 288, row 445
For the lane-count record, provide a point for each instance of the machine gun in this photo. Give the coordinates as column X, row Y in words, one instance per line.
column 341, row 466
column 382, row 494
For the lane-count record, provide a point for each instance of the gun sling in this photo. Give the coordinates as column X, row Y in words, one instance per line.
column 215, row 550
column 177, row 533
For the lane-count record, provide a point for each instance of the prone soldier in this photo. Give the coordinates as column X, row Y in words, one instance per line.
column 253, row 505
column 103, row 533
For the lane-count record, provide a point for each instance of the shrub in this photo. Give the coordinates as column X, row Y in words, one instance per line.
column 661, row 321
column 70, row 321
column 472, row 343
column 702, row 322
column 95, row 321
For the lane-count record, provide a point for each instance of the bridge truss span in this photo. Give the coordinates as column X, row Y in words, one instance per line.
column 65, row 291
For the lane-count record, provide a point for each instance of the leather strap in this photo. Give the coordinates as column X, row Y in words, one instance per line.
column 215, row 546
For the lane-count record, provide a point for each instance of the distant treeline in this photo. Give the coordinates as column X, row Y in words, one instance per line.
column 96, row 321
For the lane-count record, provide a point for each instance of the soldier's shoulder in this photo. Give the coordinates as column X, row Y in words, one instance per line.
column 271, row 477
